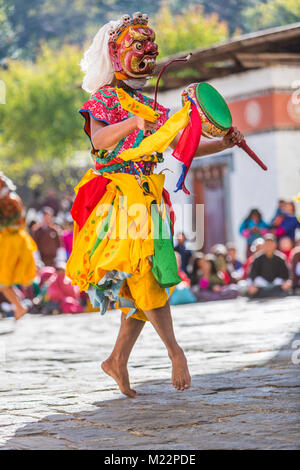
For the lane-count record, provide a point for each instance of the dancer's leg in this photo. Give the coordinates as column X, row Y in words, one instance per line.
column 116, row 364
column 12, row 297
column 162, row 321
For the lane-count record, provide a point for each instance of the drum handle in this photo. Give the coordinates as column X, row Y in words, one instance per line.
column 243, row 145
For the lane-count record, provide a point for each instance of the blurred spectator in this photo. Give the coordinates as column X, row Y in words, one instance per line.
column 66, row 202
column 234, row 266
column 220, row 253
column 286, row 223
column 269, row 272
column 183, row 251
column 36, row 203
column 295, row 268
column 285, row 246
column 67, row 236
column 52, row 201
column 182, row 293
column 256, row 247
column 60, row 290
column 253, row 227
column 196, row 272
column 47, row 238
column 279, row 211
column 210, row 286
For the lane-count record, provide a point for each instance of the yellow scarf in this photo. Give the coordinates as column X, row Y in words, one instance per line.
column 161, row 139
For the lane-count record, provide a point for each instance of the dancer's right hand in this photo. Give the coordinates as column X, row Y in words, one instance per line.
column 143, row 124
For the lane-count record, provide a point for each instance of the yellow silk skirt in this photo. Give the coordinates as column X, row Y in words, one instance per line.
column 118, row 236
column 17, row 264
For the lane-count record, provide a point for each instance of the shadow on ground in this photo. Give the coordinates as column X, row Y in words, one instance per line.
column 251, row 408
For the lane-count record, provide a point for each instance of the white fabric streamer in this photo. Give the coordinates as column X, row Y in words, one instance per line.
column 96, row 63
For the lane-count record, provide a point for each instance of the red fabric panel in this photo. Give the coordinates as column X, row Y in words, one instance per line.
column 87, row 198
column 187, row 145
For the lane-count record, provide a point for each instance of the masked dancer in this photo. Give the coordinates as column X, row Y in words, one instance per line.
column 123, row 220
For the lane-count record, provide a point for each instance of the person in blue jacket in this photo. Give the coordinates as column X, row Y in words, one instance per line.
column 253, row 227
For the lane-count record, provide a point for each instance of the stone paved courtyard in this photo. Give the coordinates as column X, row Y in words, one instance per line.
column 243, row 357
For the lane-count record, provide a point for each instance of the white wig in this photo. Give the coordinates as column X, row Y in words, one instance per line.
column 96, row 62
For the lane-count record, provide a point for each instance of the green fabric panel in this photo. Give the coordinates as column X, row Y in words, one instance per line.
column 164, row 265
column 111, row 95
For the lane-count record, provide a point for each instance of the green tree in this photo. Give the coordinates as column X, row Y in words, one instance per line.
column 39, row 123
column 25, row 24
column 230, row 11
column 187, row 31
column 272, row 13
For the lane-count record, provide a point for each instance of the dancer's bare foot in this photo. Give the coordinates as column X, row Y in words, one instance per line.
column 181, row 378
column 20, row 311
column 119, row 373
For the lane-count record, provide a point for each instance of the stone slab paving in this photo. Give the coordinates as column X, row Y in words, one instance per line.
column 243, row 358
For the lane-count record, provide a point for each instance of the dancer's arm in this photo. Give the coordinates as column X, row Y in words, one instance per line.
column 216, row 145
column 106, row 137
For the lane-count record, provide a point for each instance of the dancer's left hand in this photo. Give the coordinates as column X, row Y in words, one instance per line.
column 232, row 139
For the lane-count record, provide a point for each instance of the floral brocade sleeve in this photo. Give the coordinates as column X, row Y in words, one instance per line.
column 102, row 106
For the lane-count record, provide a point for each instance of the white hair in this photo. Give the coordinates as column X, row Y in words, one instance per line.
column 96, row 62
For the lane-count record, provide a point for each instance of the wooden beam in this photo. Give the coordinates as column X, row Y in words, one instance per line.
column 261, row 59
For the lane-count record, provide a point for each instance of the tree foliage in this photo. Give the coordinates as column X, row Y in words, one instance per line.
column 272, row 13
column 39, row 123
column 25, row 25
column 29, row 23
column 187, row 31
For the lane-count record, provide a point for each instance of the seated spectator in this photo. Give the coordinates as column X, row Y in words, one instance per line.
column 60, row 290
column 197, row 269
column 285, row 246
column 220, row 253
column 256, row 247
column 295, row 269
column 183, row 251
column 269, row 272
column 211, row 286
column 234, row 266
column 286, row 223
column 253, row 227
column 278, row 213
column 182, row 293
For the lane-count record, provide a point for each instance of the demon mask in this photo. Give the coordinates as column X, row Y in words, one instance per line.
column 132, row 48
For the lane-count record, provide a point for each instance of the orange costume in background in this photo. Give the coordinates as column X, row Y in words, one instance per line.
column 17, row 265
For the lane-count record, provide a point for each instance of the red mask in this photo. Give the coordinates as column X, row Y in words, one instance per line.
column 133, row 52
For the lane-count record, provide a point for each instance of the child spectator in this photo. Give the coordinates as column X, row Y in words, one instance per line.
column 234, row 266
column 253, row 227
column 60, row 290
column 220, row 253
